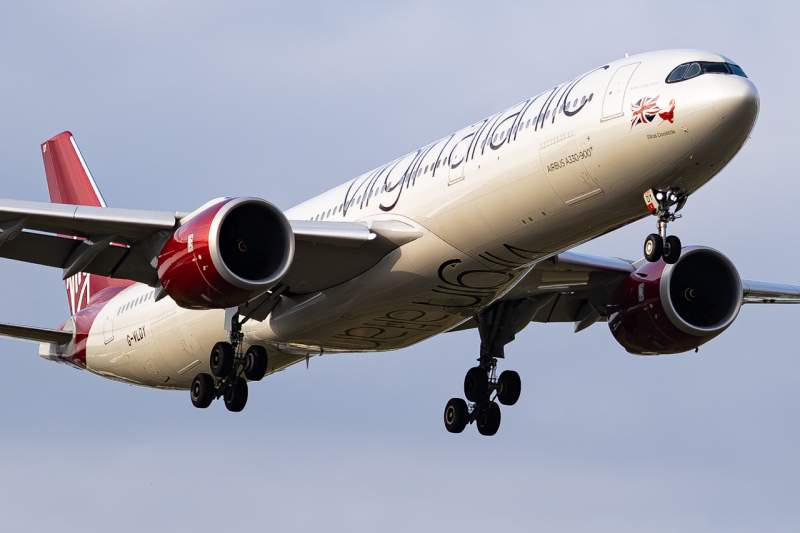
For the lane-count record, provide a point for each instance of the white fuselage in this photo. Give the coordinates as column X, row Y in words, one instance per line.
column 541, row 177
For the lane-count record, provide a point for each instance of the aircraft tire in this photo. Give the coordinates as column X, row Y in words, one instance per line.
column 236, row 396
column 476, row 384
column 672, row 250
column 221, row 360
column 489, row 421
column 255, row 363
column 456, row 415
column 653, row 247
column 202, row 391
column 510, row 387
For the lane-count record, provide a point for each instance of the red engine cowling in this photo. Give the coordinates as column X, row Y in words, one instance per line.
column 226, row 253
column 663, row 308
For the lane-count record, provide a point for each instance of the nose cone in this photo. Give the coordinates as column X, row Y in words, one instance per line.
column 736, row 102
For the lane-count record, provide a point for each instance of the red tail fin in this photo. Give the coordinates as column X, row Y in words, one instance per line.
column 70, row 182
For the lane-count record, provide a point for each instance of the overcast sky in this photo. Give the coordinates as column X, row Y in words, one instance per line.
column 174, row 103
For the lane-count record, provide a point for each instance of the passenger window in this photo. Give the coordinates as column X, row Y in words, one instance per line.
column 567, row 106
column 528, row 123
column 590, row 97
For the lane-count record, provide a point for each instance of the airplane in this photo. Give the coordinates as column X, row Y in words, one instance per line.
column 473, row 230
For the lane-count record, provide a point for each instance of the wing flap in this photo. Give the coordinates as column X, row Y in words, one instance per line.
column 40, row 249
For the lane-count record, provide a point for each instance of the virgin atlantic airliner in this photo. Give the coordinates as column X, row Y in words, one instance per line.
column 470, row 231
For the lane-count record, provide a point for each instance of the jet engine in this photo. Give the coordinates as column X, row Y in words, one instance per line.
column 663, row 308
column 226, row 253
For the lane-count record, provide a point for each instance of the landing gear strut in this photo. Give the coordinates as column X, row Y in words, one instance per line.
column 658, row 245
column 497, row 327
column 228, row 363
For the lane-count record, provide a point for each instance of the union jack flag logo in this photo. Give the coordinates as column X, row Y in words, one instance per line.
column 644, row 111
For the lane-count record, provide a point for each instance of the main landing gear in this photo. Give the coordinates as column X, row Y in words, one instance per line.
column 659, row 245
column 228, row 365
column 496, row 327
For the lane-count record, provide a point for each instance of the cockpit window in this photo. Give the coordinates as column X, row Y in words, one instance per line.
column 677, row 74
column 692, row 70
column 736, row 70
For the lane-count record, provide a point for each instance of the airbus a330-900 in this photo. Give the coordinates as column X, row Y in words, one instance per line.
column 470, row 231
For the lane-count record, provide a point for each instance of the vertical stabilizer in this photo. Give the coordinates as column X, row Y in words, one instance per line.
column 70, row 182
column 68, row 177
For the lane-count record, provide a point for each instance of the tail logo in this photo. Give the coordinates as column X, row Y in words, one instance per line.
column 78, row 292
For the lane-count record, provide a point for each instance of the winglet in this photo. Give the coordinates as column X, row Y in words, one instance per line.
column 68, row 177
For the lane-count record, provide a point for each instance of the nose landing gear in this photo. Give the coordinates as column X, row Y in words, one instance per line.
column 659, row 245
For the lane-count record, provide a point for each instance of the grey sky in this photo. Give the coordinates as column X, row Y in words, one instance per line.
column 174, row 103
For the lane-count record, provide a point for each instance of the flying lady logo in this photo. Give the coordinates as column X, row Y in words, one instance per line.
column 78, row 292
column 645, row 110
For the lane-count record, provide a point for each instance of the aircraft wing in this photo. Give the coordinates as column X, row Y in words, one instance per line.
column 765, row 292
column 575, row 287
column 125, row 243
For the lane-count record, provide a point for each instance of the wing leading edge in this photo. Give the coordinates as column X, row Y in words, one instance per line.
column 125, row 243
column 575, row 287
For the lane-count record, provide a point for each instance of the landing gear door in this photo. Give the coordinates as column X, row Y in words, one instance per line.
column 615, row 93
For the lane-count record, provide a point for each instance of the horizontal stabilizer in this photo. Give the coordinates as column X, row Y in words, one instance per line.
column 30, row 333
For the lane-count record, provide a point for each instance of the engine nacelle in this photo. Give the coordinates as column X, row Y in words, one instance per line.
column 663, row 308
column 226, row 253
